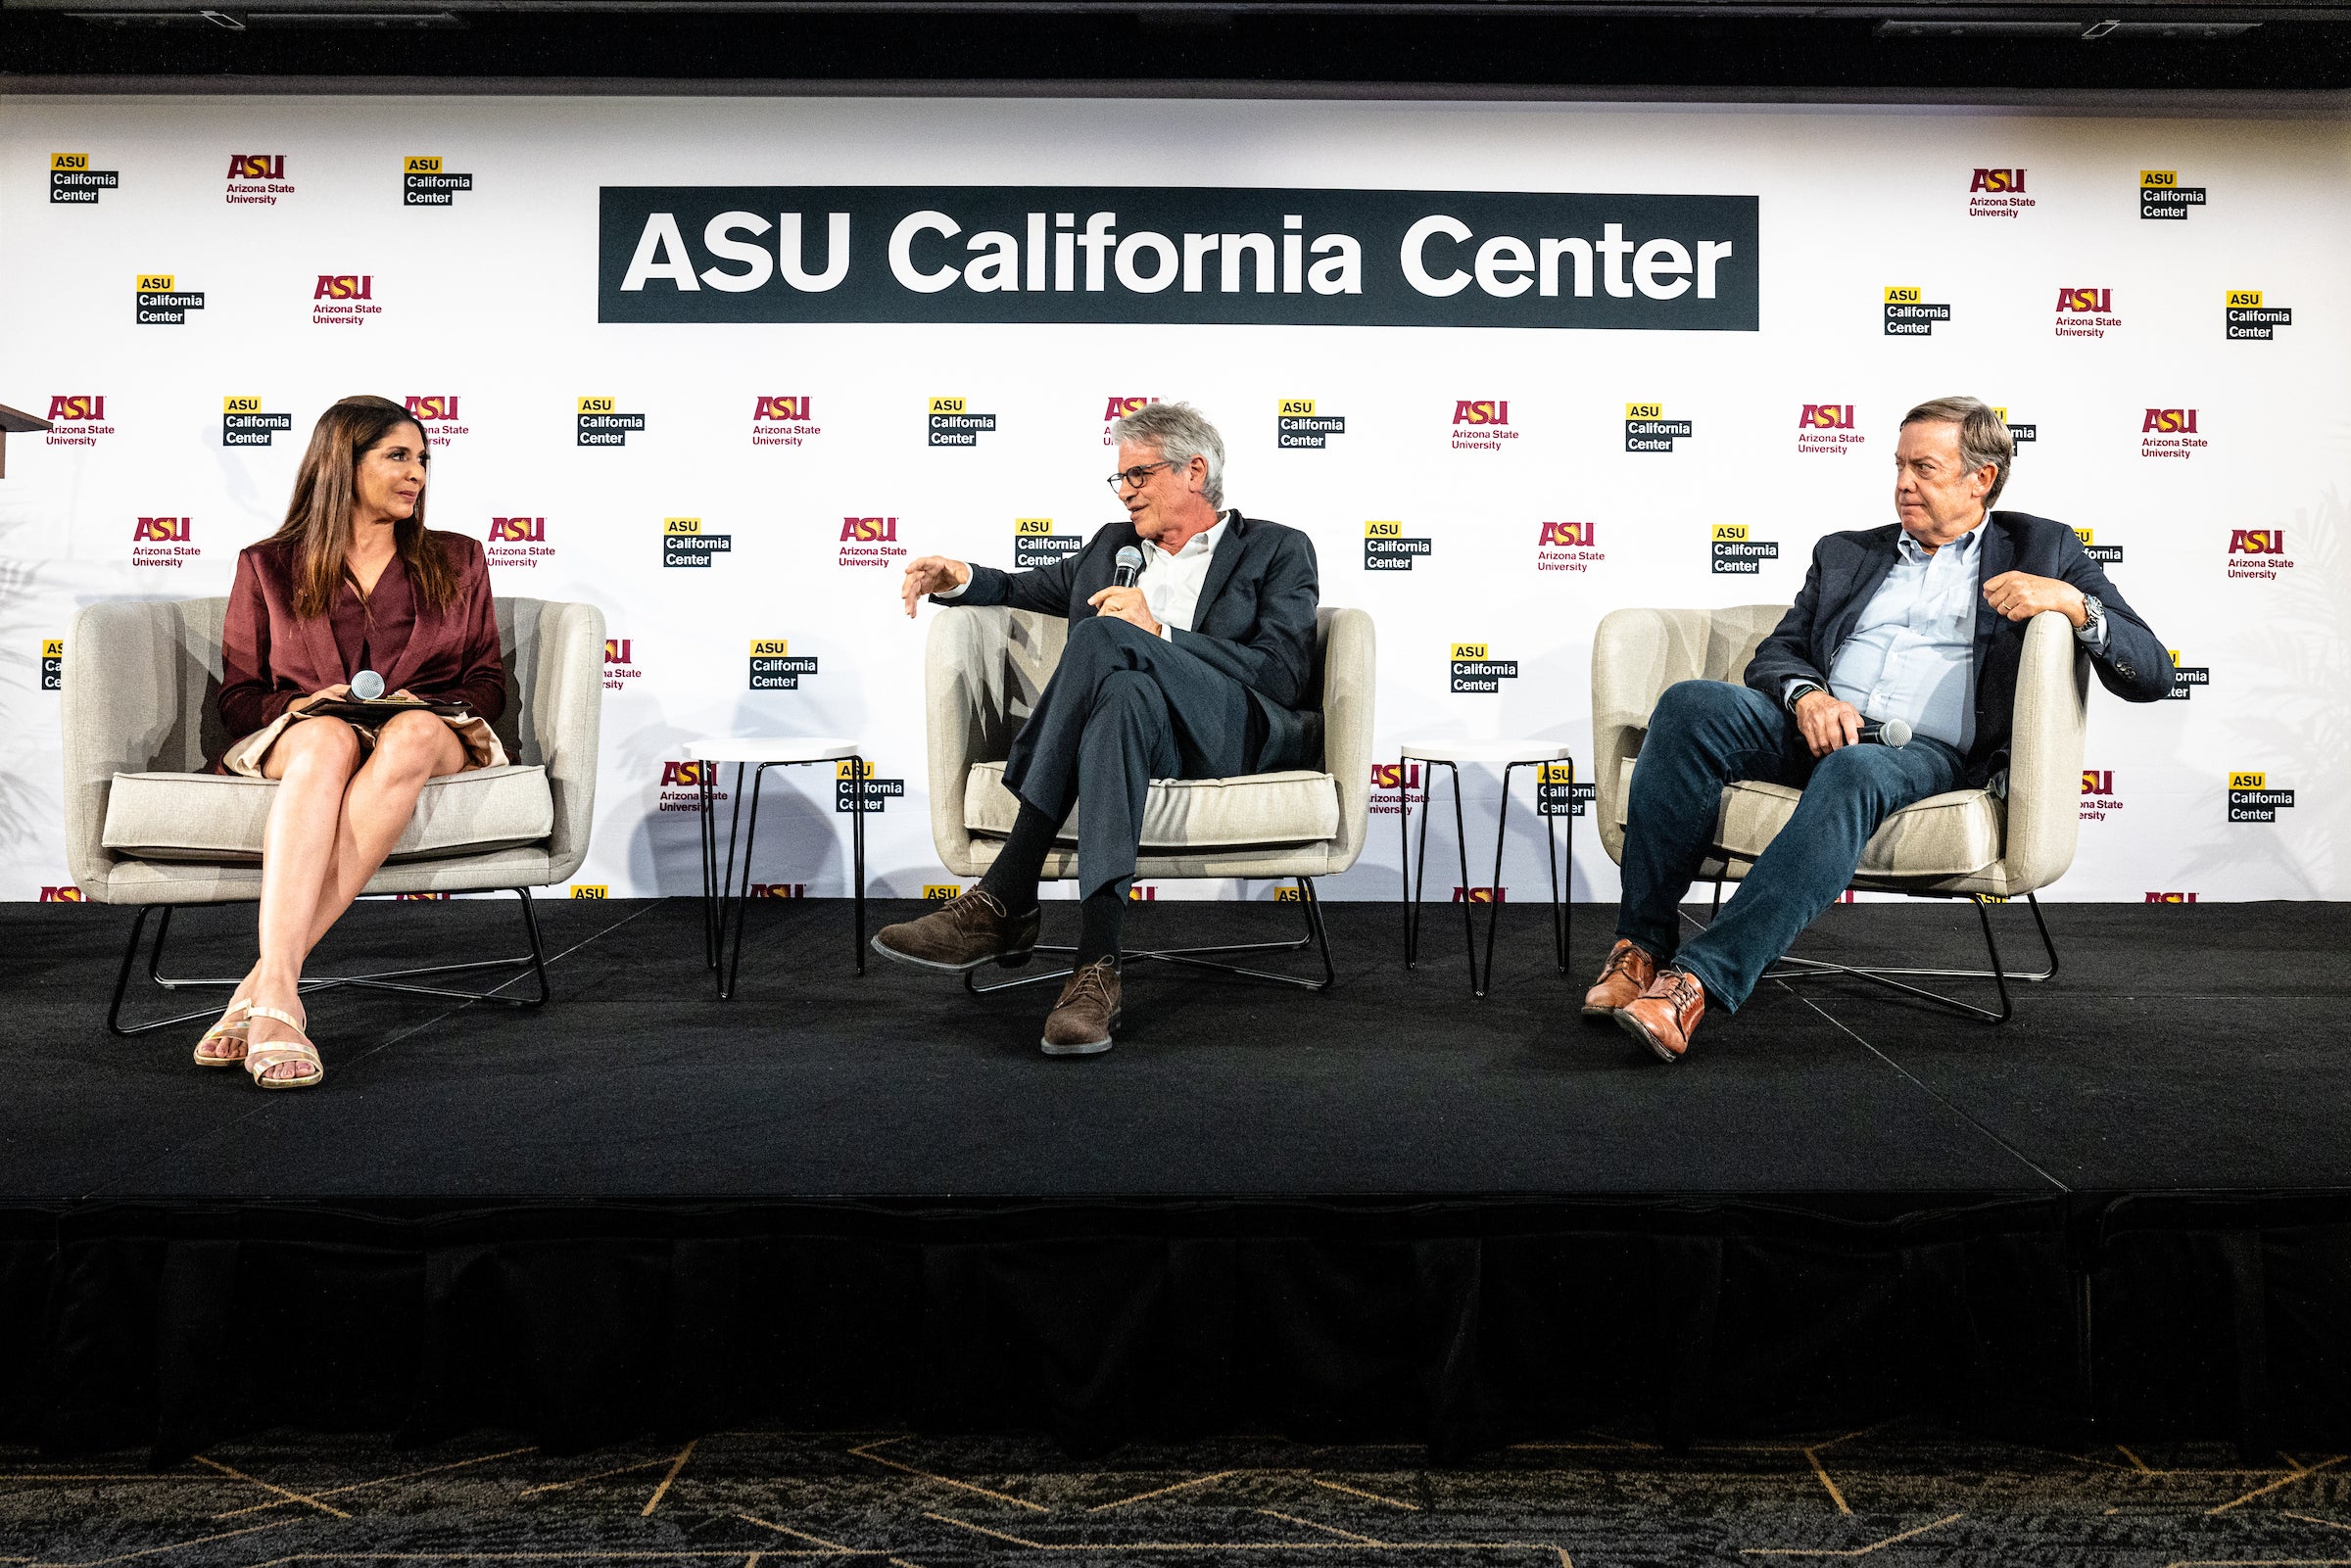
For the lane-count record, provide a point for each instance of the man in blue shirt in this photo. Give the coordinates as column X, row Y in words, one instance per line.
column 1920, row 620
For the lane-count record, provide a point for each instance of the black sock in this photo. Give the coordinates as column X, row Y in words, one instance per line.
column 1098, row 918
column 1012, row 878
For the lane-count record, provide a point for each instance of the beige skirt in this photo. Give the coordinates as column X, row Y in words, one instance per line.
column 482, row 748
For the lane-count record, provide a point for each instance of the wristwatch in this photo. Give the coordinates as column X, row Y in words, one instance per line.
column 2094, row 622
column 1795, row 693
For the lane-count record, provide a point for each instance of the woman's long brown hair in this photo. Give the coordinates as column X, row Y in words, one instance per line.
column 325, row 489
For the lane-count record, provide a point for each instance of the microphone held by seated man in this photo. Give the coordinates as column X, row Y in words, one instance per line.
column 1200, row 667
column 1918, row 624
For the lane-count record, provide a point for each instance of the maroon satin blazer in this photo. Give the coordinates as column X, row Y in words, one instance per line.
column 269, row 656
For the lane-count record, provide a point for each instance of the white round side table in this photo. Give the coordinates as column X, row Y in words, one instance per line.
column 762, row 752
column 1512, row 755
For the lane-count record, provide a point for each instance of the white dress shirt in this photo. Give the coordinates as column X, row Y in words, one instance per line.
column 1172, row 583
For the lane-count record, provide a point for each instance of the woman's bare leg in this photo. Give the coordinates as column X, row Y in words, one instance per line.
column 312, row 762
column 372, row 808
column 408, row 750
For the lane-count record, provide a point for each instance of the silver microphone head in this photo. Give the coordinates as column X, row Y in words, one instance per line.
column 366, row 685
column 1130, row 561
column 1895, row 733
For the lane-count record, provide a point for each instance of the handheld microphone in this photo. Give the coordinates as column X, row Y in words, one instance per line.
column 1130, row 566
column 366, row 685
column 1890, row 732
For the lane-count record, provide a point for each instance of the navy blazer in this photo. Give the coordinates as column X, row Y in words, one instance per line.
column 1255, row 621
column 1848, row 568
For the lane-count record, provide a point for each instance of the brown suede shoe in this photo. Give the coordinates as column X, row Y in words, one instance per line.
column 1625, row 975
column 1081, row 1022
column 962, row 934
column 1665, row 1016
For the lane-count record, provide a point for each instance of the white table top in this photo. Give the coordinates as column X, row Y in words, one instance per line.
column 768, row 749
column 1485, row 751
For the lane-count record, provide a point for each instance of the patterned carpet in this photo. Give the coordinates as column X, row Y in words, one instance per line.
column 1899, row 1496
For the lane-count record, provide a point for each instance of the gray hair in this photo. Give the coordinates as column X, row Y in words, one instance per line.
column 1983, row 436
column 1180, row 433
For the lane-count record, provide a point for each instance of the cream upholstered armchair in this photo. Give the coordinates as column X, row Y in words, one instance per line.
column 984, row 671
column 145, row 827
column 1967, row 843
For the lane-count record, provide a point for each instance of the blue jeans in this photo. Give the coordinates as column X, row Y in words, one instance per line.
column 1707, row 734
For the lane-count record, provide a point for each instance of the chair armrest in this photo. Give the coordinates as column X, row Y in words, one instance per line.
column 1350, row 686
column 1636, row 655
column 120, row 704
column 967, row 716
column 566, row 715
column 2045, row 754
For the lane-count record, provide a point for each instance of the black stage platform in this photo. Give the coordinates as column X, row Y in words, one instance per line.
column 1388, row 1210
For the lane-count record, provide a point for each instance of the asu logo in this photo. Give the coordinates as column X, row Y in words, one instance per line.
column 949, row 405
column 592, row 889
column 2257, row 542
column 77, row 406
column 343, row 286
column 687, row 775
column 2244, row 299
column 2091, row 301
column 616, row 650
column 441, row 407
column 1579, row 535
column 1121, row 408
column 779, row 890
column 1904, row 293
column 2170, row 898
column 785, row 407
column 1826, row 417
column 2248, row 781
column 2097, row 781
column 940, row 892
column 163, row 530
column 1395, row 776
column 1480, row 895
column 62, row 895
column 257, row 165
column 1481, row 411
column 519, row 531
column 1294, row 407
column 2001, row 180
column 2169, row 422
column 1033, row 527
column 870, row 530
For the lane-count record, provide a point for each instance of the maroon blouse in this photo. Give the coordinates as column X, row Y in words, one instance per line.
column 269, row 656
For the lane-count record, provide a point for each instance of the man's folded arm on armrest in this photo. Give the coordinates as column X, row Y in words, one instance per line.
column 2132, row 663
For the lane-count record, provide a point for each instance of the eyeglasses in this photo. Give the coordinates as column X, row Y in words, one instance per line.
column 1137, row 475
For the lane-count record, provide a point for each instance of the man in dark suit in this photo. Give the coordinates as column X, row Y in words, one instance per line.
column 1200, row 670
column 1922, row 620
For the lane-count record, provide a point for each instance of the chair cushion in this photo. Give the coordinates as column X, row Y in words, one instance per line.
column 219, row 816
column 1949, row 835
column 1259, row 808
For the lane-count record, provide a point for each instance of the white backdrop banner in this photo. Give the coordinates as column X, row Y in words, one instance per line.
column 1510, row 365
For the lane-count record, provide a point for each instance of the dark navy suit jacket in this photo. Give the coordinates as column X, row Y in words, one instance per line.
column 1848, row 568
column 1255, row 621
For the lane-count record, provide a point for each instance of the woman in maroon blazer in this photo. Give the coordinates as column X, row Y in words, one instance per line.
column 353, row 580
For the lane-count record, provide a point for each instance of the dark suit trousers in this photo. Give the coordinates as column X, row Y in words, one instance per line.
column 1703, row 736
column 1124, row 708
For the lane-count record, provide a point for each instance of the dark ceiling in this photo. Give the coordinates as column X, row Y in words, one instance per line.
column 1502, row 44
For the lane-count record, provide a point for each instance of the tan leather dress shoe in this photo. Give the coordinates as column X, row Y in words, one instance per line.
column 1625, row 975
column 1081, row 1021
column 1665, row 1014
column 962, row 934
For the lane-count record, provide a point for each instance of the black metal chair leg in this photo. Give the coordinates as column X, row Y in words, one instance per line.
column 857, row 857
column 400, row 980
column 1502, row 827
column 709, row 837
column 1404, row 858
column 1559, row 913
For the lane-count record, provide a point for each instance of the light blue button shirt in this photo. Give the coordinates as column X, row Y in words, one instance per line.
column 1910, row 652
